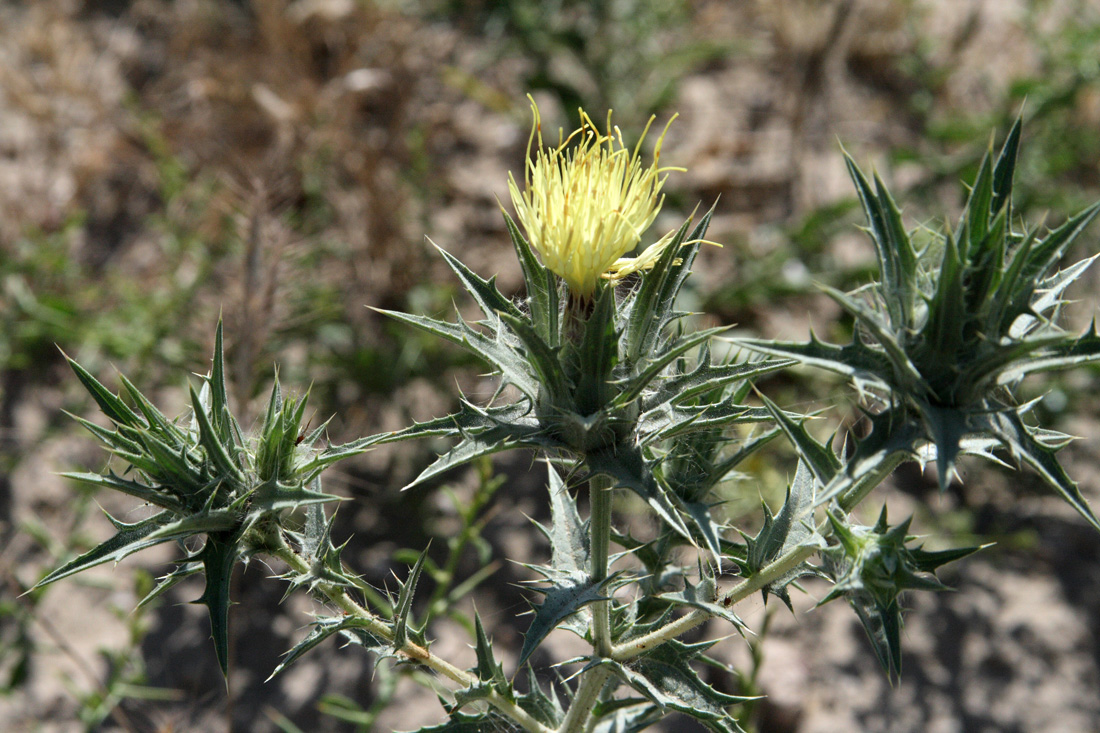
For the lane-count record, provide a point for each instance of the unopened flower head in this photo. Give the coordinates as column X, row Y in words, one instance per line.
column 587, row 203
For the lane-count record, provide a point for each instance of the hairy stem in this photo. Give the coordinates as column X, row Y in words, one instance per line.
column 769, row 573
column 338, row 596
column 599, row 489
column 863, row 486
column 588, row 694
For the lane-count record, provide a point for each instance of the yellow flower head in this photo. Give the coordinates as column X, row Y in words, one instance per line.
column 587, row 204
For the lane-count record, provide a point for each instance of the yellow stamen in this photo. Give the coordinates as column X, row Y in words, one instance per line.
column 588, row 202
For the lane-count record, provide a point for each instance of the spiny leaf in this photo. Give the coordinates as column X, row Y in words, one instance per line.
column 164, row 583
column 817, row 457
column 569, row 551
column 276, row 497
column 211, row 440
column 633, row 386
column 1005, row 168
column 130, row 539
column 651, row 307
column 476, row 446
column 1011, row 430
column 403, row 607
column 113, row 407
column 218, row 556
column 897, row 260
column 665, row 676
column 704, row 596
column 542, row 286
column 942, row 335
column 540, row 355
column 488, row 669
column 627, row 717
column 565, row 596
column 544, row 708
column 791, row 528
column 323, row 628
column 905, row 375
column 513, row 367
column 855, row 360
column 485, row 292
column 596, row 356
column 707, row 377
column 149, row 494
column 699, row 515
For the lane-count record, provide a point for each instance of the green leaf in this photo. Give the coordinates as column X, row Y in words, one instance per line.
column 512, row 366
column 488, row 669
column 276, row 497
column 665, row 677
column 540, row 356
column 218, row 556
column 542, row 287
column 1005, row 168
column 895, row 437
column 700, row 518
column 596, row 356
column 1071, row 352
column 942, row 335
column 569, row 551
column 817, row 457
column 155, row 419
column 217, row 520
column 704, row 596
column 544, row 708
column 219, row 398
column 896, row 256
column 323, row 628
column 791, row 528
column 1016, row 436
column 211, row 441
column 478, row 445
column 707, row 377
column 626, row 719
column 113, row 407
column 651, row 307
column 565, row 596
column 164, row 583
column 904, row 376
column 633, row 386
column 131, row 538
column 855, row 360
column 403, row 607
column 111, row 480
column 485, row 292
column 947, row 427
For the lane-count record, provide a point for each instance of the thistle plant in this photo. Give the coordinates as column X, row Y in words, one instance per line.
column 605, row 378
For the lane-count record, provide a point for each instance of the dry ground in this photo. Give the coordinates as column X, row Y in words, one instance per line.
column 281, row 163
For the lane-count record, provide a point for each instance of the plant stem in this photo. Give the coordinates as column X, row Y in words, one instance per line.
column 769, row 573
column 338, row 596
column 600, row 488
column 863, row 486
column 588, row 693
column 599, row 548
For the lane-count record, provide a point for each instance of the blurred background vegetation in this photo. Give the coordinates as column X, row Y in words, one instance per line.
column 285, row 164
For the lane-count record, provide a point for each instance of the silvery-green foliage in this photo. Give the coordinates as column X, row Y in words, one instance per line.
column 617, row 391
column 205, row 480
column 871, row 566
column 951, row 328
column 600, row 382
